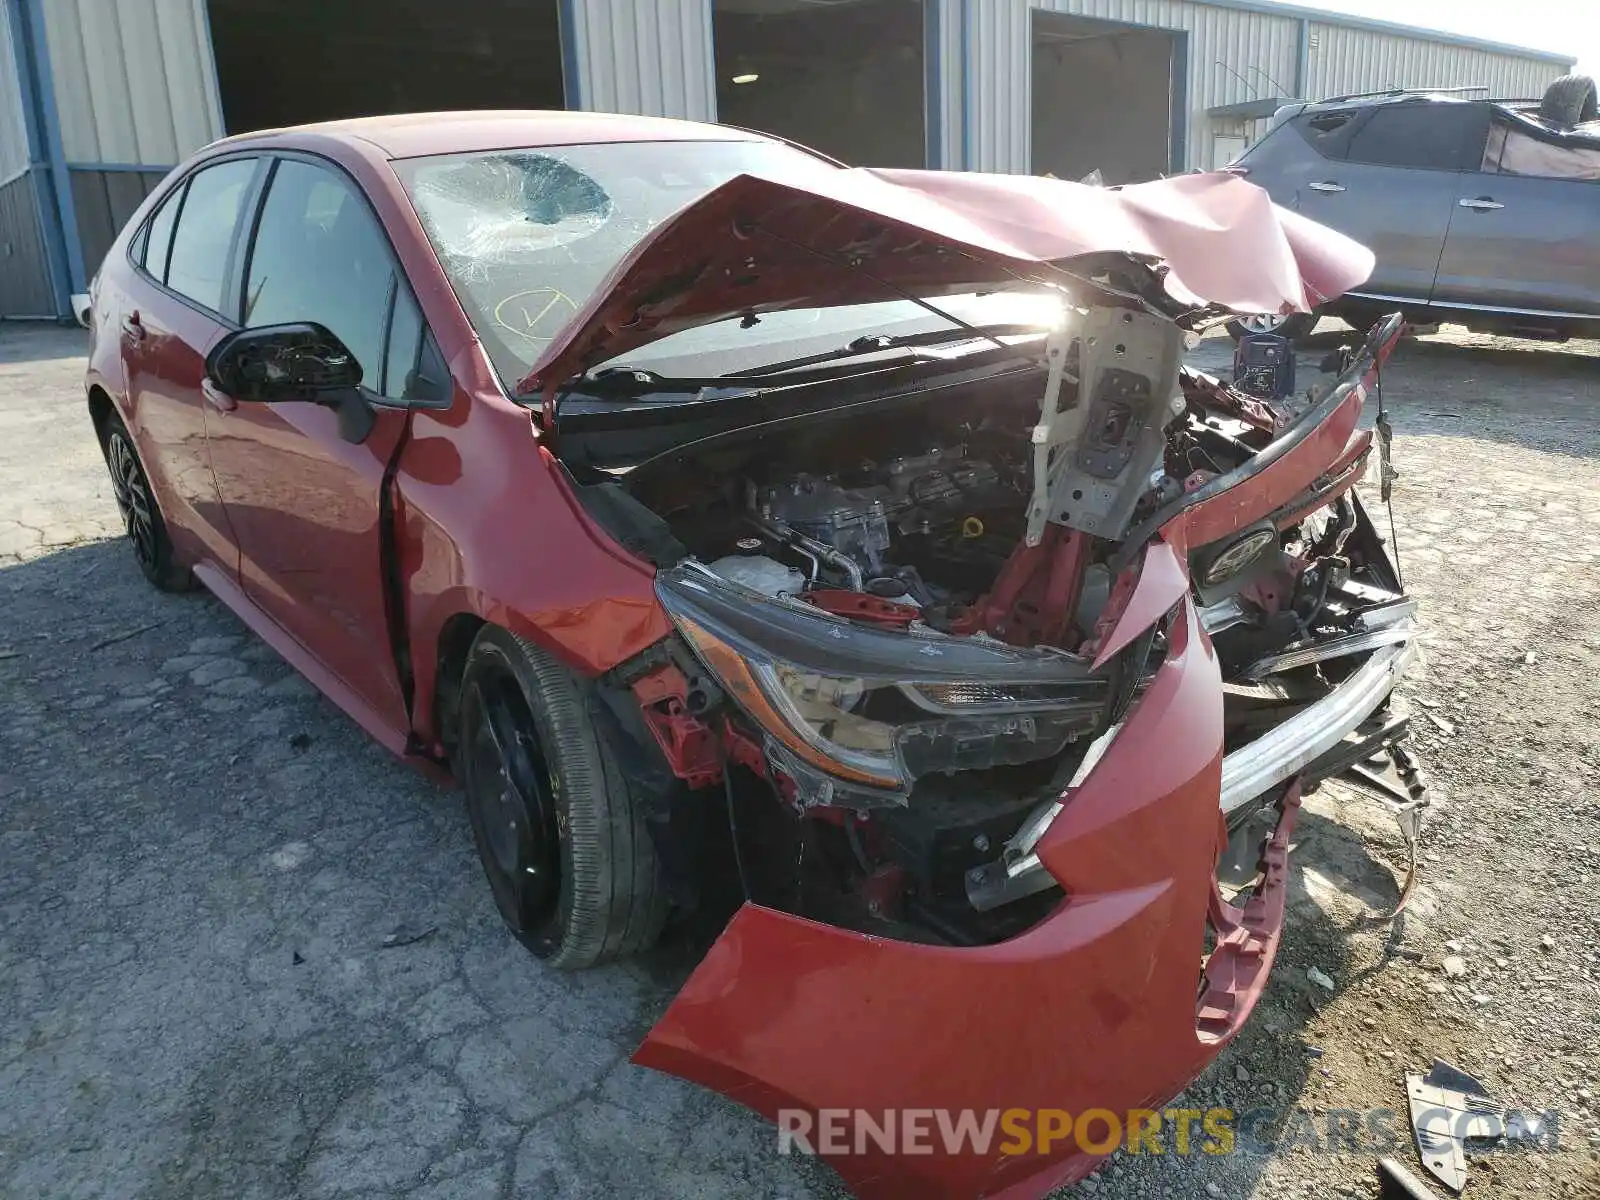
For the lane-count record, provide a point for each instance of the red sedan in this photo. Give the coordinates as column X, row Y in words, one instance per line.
column 842, row 561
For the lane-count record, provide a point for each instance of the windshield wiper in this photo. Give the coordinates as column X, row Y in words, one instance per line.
column 876, row 342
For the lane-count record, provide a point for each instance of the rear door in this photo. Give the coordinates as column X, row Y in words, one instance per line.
column 1396, row 188
column 1525, row 229
column 303, row 502
column 175, row 312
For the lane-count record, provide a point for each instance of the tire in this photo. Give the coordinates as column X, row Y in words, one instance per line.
column 561, row 837
column 1570, row 100
column 141, row 516
column 1296, row 326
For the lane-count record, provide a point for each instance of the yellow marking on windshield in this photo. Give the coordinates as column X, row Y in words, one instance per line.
column 521, row 313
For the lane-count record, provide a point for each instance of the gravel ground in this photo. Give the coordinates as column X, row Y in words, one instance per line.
column 200, row 861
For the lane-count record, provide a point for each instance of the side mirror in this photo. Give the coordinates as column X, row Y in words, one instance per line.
column 304, row 361
column 278, row 363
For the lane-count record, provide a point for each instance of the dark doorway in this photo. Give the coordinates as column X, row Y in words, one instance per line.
column 1103, row 98
column 294, row 61
column 844, row 77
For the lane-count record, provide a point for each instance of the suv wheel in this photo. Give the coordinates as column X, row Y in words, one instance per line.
column 1294, row 326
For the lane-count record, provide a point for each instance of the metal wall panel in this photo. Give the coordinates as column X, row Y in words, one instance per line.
column 25, row 289
column 135, row 80
column 1345, row 60
column 104, row 200
column 642, row 56
column 14, row 157
column 1235, row 53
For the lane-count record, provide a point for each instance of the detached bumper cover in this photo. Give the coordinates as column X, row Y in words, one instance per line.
column 1101, row 1005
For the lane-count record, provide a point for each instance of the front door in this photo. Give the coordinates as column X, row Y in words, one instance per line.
column 1396, row 187
column 1526, row 236
column 173, row 313
column 303, row 502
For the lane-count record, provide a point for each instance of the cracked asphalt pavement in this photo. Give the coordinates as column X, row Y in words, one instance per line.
column 202, row 863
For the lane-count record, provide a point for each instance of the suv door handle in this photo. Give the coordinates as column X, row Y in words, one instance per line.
column 216, row 397
column 1481, row 204
column 1327, row 185
column 133, row 327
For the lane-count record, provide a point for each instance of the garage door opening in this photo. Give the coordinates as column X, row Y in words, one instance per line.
column 1107, row 97
column 844, row 77
column 310, row 60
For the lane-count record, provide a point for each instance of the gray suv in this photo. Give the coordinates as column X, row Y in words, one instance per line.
column 1485, row 213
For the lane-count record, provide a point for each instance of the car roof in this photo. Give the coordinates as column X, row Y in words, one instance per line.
column 414, row 135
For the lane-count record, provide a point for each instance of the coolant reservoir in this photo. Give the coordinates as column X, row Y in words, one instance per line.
column 759, row 574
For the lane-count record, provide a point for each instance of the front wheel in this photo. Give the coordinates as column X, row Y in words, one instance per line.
column 561, row 836
column 1294, row 326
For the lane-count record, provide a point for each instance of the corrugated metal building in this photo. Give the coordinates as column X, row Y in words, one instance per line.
column 99, row 98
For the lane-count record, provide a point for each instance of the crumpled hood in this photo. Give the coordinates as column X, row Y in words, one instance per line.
column 857, row 234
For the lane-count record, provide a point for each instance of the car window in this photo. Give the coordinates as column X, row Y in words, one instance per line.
column 1328, row 132
column 158, row 238
column 204, row 235
column 1516, row 152
column 319, row 255
column 1427, row 135
column 405, row 342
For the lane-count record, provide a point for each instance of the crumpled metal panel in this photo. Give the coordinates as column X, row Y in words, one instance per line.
column 1096, row 1006
column 755, row 245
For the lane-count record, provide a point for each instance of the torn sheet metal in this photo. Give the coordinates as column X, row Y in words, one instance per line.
column 1093, row 457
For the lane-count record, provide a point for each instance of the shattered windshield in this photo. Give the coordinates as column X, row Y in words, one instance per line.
column 527, row 235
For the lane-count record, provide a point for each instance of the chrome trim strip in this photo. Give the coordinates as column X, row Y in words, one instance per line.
column 1339, row 647
column 1445, row 306
column 1246, row 773
column 1291, row 747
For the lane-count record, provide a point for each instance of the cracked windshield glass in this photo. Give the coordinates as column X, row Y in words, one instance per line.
column 527, row 235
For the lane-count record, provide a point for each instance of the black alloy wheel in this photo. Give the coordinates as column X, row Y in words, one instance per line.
column 511, row 801
column 141, row 516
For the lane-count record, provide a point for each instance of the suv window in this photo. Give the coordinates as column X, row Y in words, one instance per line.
column 201, row 243
column 320, row 256
column 158, row 236
column 1517, row 152
column 1328, row 132
column 1424, row 134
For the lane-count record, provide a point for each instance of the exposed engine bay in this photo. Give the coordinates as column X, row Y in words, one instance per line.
column 910, row 611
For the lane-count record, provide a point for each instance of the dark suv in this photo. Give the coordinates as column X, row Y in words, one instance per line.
column 1485, row 213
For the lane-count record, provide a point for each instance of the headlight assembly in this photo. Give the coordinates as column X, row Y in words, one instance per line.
column 869, row 710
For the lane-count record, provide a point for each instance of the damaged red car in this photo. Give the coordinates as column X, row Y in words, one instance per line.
column 844, row 559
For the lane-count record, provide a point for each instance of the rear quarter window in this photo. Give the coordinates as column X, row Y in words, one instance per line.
column 1327, row 132
column 158, row 237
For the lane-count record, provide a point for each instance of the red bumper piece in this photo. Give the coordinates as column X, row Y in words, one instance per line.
column 1094, row 1007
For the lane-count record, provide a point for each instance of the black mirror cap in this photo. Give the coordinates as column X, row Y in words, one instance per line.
column 275, row 363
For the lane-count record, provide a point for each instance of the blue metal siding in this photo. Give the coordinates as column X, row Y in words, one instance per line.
column 15, row 152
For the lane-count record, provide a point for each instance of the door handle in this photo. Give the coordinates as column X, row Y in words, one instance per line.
column 216, row 397
column 1481, row 204
column 133, row 327
column 1327, row 185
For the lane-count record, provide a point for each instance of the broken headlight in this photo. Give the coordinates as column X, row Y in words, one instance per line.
column 871, row 710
